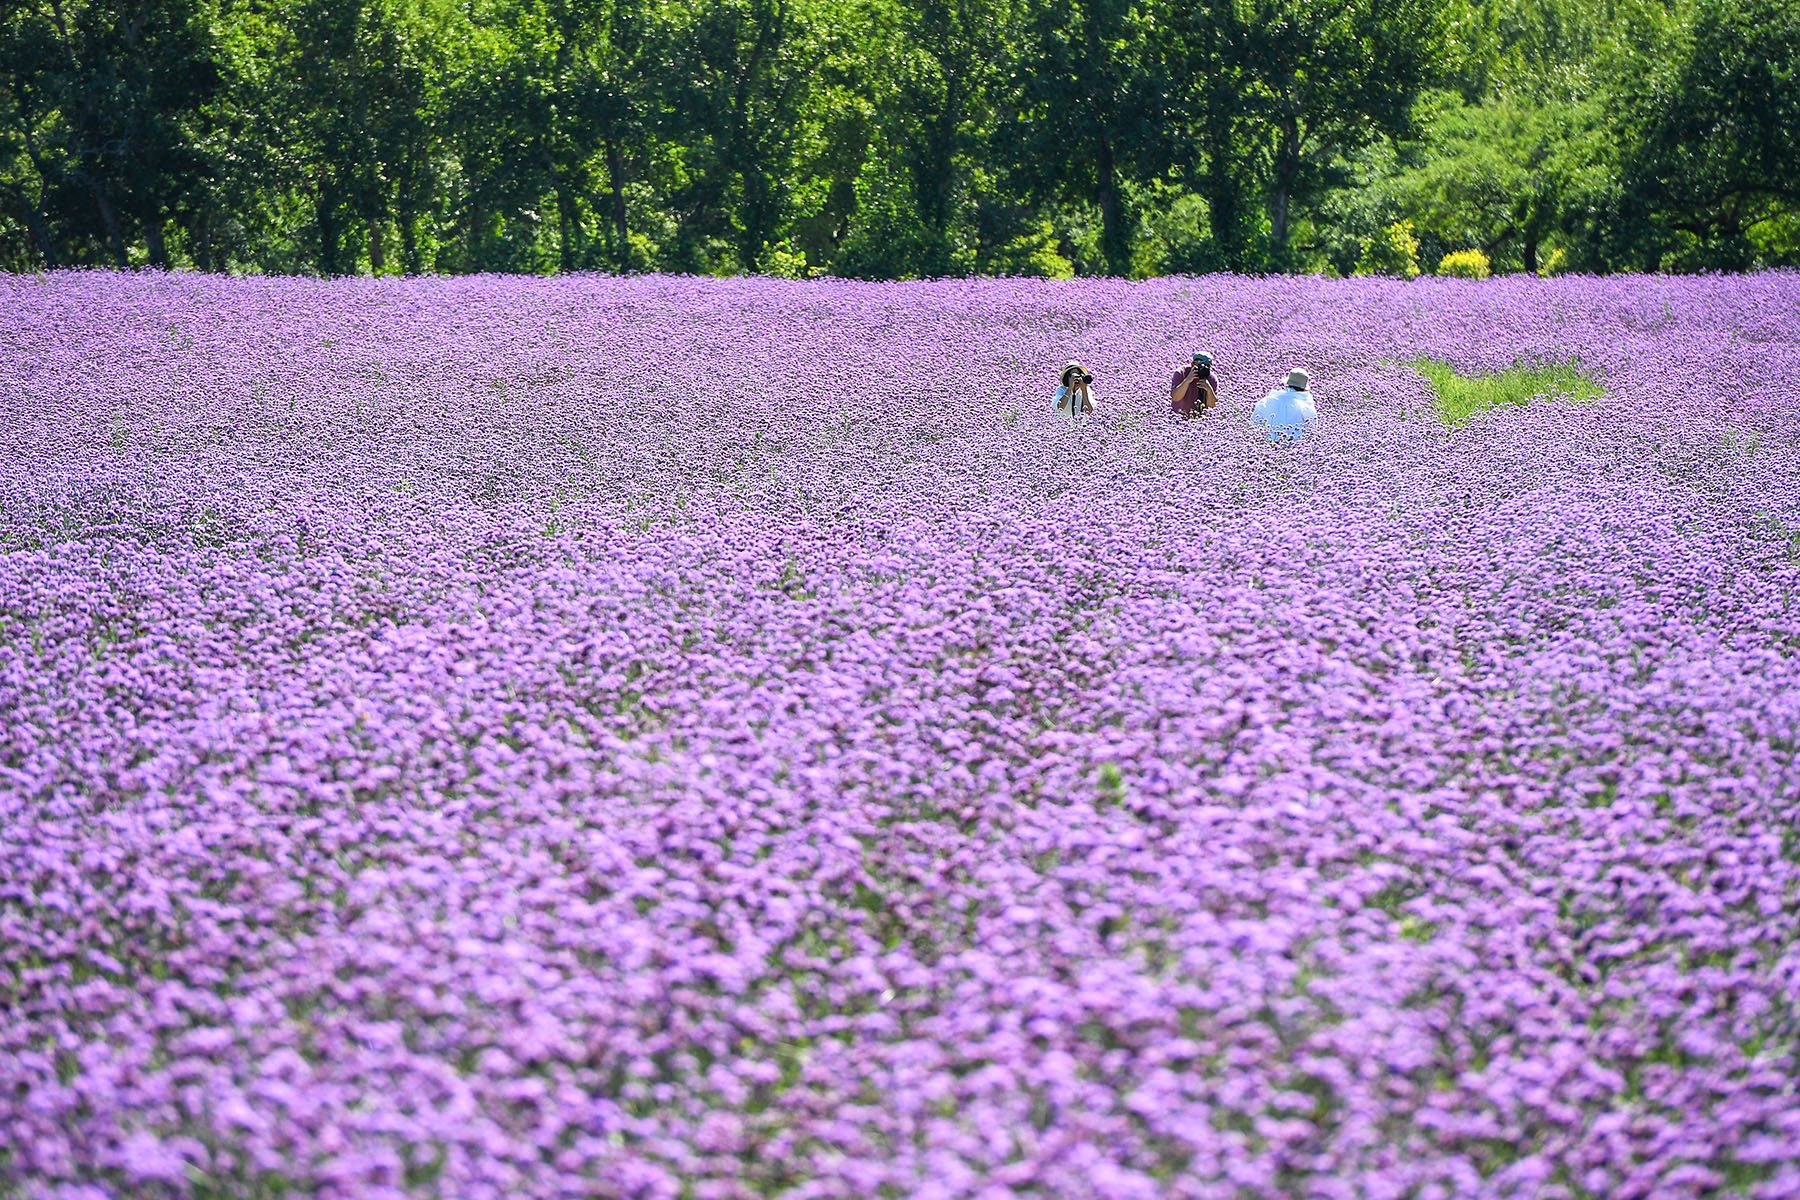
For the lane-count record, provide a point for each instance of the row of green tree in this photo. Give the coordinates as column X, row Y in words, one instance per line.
column 900, row 138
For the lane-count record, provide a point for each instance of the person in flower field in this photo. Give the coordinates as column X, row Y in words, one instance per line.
column 1288, row 413
column 1194, row 392
column 1075, row 398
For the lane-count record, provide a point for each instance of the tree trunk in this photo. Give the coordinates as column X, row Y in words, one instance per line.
column 938, row 189
column 377, row 250
column 567, row 222
column 34, row 221
column 330, row 236
column 1225, row 215
column 159, row 249
column 203, row 247
column 615, row 183
column 938, row 208
column 109, row 217
column 1115, row 239
column 1287, row 173
column 940, row 200
column 34, row 209
column 757, row 206
column 1531, row 255
column 409, row 245
column 1287, row 166
column 1224, row 189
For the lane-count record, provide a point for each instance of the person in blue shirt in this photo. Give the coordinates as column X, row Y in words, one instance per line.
column 1288, row 413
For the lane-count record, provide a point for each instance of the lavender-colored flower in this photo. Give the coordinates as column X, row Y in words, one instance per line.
column 475, row 738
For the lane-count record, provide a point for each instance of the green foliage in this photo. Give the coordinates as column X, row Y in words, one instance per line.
column 1465, row 264
column 1496, row 177
column 749, row 74
column 100, row 107
column 1713, row 177
column 1095, row 98
column 784, row 262
column 1460, row 397
column 899, row 138
column 1316, row 80
column 890, row 237
column 1033, row 252
column 921, row 187
column 1391, row 251
column 1175, row 236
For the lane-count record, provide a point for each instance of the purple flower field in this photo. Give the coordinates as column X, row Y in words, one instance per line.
column 660, row 737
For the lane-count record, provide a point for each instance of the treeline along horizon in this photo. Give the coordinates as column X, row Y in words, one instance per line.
column 900, row 138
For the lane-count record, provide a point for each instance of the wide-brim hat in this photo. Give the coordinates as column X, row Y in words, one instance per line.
column 1071, row 365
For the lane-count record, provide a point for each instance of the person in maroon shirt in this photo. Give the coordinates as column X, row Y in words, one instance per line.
column 1194, row 391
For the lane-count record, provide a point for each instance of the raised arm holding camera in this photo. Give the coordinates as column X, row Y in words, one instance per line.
column 1194, row 392
column 1075, row 398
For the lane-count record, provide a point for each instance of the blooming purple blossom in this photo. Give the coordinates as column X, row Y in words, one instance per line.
column 483, row 738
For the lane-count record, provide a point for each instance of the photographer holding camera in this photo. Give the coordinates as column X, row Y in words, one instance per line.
column 1075, row 398
column 1193, row 392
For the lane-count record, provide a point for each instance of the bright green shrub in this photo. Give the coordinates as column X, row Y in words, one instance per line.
column 785, row 261
column 1465, row 264
column 1393, row 251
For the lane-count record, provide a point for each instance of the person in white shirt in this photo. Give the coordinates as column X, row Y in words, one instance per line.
column 1288, row 413
column 1075, row 398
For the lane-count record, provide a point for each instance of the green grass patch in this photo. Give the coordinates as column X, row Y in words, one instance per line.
column 1460, row 397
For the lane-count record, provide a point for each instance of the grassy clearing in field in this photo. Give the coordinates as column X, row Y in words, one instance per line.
column 1460, row 397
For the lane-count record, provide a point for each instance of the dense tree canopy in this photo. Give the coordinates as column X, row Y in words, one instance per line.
column 895, row 138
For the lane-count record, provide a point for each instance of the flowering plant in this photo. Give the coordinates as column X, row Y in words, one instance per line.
column 477, row 738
